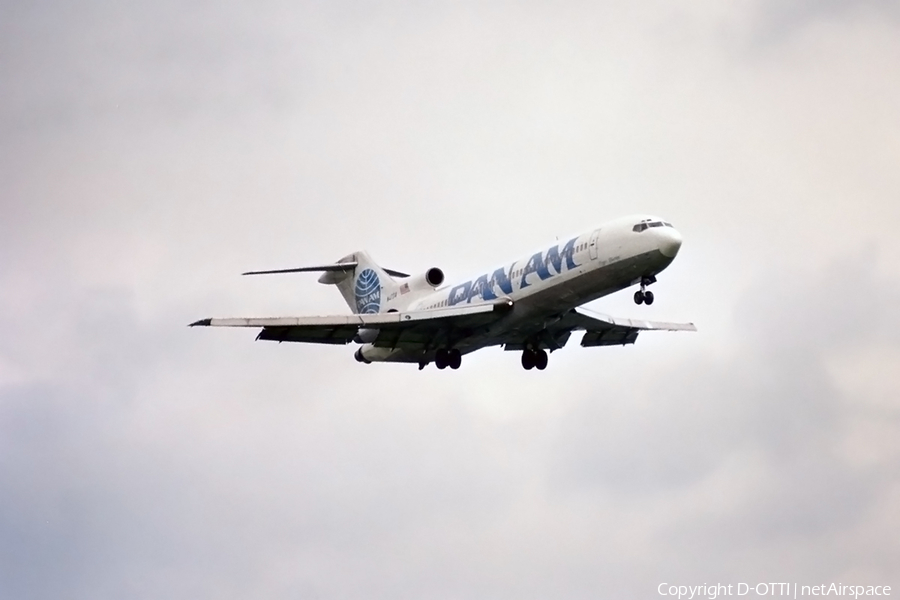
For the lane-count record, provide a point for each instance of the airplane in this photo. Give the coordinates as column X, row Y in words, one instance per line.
column 530, row 305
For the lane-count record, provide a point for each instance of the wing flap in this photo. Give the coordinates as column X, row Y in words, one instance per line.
column 610, row 337
column 309, row 335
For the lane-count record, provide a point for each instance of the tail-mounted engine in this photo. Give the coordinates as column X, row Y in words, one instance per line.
column 430, row 279
column 358, row 355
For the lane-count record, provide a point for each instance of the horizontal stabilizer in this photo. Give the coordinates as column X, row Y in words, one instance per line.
column 394, row 273
column 342, row 267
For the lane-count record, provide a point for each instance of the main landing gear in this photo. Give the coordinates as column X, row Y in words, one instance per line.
column 534, row 359
column 445, row 357
column 642, row 296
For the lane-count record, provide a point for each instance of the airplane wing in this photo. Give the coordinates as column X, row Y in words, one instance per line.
column 600, row 330
column 417, row 328
column 603, row 330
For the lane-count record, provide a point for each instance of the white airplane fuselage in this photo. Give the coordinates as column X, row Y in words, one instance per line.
column 547, row 283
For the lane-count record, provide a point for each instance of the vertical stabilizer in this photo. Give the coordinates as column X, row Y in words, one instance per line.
column 365, row 286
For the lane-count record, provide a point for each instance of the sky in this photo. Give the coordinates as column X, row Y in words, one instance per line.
column 151, row 152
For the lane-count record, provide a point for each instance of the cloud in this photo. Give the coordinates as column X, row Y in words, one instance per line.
column 780, row 20
column 152, row 153
column 757, row 446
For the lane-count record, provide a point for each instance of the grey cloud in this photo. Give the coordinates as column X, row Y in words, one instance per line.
column 113, row 479
column 765, row 427
column 141, row 458
column 74, row 64
column 779, row 20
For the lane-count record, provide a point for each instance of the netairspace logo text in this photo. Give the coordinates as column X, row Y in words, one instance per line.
column 792, row 590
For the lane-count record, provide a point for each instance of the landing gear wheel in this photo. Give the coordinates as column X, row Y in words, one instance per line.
column 441, row 359
column 540, row 360
column 639, row 297
column 648, row 298
column 528, row 359
column 454, row 358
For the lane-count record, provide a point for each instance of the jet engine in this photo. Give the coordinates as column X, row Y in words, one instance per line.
column 358, row 355
column 430, row 279
column 369, row 353
column 366, row 336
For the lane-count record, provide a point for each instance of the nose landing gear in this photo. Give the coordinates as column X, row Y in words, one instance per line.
column 642, row 296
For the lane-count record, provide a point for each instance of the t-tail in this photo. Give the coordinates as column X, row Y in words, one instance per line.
column 364, row 285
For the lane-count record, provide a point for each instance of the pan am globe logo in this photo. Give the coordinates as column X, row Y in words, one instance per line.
column 368, row 292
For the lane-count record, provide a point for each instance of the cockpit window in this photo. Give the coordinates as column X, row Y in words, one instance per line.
column 643, row 225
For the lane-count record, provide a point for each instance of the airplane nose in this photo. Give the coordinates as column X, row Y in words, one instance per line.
column 670, row 242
